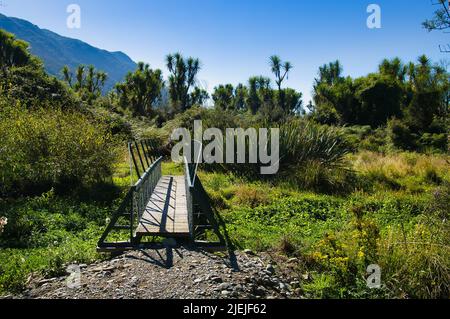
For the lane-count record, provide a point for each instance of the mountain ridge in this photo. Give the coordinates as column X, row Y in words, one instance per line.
column 56, row 51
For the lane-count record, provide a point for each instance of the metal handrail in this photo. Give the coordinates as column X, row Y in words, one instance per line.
column 191, row 179
column 144, row 187
column 135, row 201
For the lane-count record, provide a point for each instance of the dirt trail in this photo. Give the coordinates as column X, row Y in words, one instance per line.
column 172, row 273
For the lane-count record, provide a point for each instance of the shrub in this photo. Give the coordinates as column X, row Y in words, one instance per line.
column 34, row 88
column 287, row 245
column 217, row 200
column 434, row 141
column 431, row 176
column 318, row 177
column 401, row 136
column 115, row 123
column 41, row 149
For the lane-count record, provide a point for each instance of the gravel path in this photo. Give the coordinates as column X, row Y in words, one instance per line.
column 171, row 273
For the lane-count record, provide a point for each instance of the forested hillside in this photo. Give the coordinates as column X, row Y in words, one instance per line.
column 57, row 51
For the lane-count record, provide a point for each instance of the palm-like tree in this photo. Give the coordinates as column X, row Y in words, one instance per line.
column 141, row 89
column 393, row 68
column 280, row 70
column 182, row 79
column 89, row 82
column 330, row 73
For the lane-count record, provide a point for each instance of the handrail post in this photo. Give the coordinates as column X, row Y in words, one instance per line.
column 140, row 157
column 145, row 154
column 134, row 161
column 131, row 211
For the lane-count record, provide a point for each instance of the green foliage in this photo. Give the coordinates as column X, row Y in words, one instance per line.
column 87, row 82
column 393, row 69
column 258, row 97
column 434, row 141
column 380, row 99
column 14, row 53
column 365, row 101
column 44, row 234
column 34, row 88
column 441, row 19
column 141, row 90
column 415, row 94
column 23, row 77
column 366, row 138
column 336, row 239
column 313, row 156
column 42, row 149
column 223, row 97
column 117, row 124
column 183, row 73
column 401, row 136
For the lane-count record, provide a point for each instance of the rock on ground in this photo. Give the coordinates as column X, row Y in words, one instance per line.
column 170, row 273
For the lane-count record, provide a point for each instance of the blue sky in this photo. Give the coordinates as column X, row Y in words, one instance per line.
column 234, row 38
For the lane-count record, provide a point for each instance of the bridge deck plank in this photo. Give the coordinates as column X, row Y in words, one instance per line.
column 166, row 214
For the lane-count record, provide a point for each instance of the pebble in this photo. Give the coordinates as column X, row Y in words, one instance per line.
column 224, row 286
column 270, row 269
column 141, row 278
column 249, row 252
column 216, row 280
column 282, row 286
column 260, row 291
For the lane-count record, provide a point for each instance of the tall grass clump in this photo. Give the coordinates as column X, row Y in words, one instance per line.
column 411, row 172
column 316, row 155
column 49, row 148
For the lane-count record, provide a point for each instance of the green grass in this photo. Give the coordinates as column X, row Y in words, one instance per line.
column 404, row 230
column 335, row 237
column 46, row 233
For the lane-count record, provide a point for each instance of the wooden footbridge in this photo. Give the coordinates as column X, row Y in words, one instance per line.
column 159, row 206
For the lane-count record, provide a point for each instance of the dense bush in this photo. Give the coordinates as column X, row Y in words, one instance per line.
column 34, row 88
column 434, row 141
column 41, row 149
column 401, row 135
column 366, row 138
